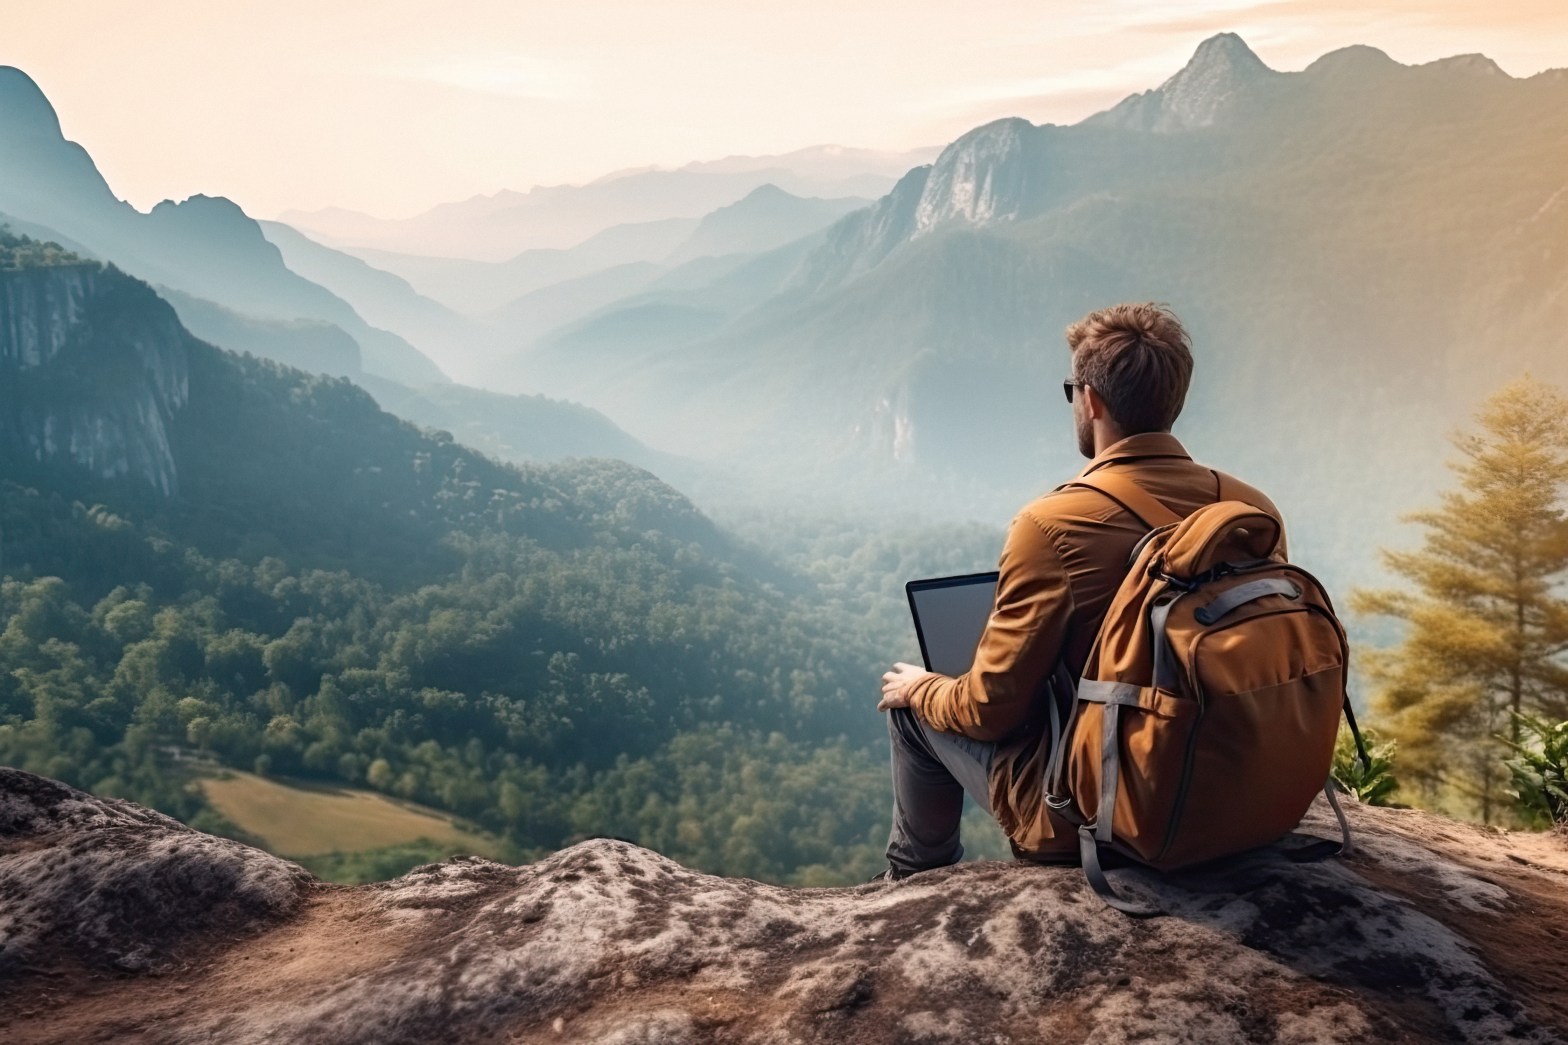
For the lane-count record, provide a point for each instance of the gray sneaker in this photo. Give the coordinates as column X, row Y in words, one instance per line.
column 891, row 874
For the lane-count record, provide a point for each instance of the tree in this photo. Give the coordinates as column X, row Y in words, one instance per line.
column 1486, row 624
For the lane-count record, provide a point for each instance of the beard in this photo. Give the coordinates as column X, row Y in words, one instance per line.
column 1084, row 428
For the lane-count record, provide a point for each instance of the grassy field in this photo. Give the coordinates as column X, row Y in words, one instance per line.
column 297, row 820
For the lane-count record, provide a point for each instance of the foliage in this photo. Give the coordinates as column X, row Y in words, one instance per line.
column 1540, row 770
column 1486, row 623
column 1372, row 782
column 21, row 252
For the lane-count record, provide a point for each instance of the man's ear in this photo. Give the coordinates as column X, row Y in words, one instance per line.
column 1093, row 403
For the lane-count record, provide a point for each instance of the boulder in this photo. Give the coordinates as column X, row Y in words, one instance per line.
column 120, row 924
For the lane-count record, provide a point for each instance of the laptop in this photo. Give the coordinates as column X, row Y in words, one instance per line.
column 950, row 616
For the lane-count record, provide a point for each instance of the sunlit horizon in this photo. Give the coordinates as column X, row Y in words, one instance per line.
column 393, row 109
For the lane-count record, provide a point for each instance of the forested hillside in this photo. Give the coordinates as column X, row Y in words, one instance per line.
column 323, row 591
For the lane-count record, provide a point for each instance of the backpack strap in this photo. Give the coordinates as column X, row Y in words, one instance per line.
column 1121, row 489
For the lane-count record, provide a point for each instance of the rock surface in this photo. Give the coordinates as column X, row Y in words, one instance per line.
column 60, row 322
column 118, row 924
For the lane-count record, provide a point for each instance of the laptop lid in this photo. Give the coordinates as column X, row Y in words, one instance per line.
column 950, row 616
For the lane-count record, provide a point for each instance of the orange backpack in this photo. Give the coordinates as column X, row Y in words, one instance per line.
column 1205, row 720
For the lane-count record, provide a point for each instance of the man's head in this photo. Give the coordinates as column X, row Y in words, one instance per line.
column 1132, row 364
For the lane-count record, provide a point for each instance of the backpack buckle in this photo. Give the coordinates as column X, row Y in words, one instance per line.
column 1179, row 583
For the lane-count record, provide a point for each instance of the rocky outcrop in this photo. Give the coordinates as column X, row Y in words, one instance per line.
column 92, row 368
column 1222, row 78
column 119, row 924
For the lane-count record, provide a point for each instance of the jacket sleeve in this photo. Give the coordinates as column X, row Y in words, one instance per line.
column 1017, row 650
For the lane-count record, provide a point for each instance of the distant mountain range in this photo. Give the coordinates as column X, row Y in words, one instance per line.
column 105, row 396
column 503, row 225
column 205, row 246
column 1362, row 250
column 265, row 290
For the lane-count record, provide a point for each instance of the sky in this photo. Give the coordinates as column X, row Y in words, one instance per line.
column 394, row 106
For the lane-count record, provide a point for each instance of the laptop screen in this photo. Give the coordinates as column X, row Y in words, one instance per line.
column 950, row 616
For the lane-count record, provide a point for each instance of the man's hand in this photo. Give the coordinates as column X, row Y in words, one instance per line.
column 897, row 683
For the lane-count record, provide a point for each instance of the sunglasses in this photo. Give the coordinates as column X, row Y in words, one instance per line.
column 1069, row 385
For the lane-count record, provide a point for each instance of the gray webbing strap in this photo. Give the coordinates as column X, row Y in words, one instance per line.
column 1098, row 692
column 1339, row 814
column 1110, row 771
column 1056, row 735
column 1061, row 688
column 1324, row 848
column 1241, row 594
column 1089, row 856
column 1164, row 657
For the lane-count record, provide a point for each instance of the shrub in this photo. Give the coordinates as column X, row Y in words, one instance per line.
column 1540, row 770
column 1373, row 783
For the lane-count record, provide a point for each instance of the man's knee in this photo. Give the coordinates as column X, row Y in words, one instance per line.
column 903, row 727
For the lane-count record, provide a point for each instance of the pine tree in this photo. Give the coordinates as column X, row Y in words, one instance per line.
column 1486, row 621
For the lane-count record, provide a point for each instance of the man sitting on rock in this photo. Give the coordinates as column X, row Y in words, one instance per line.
column 986, row 733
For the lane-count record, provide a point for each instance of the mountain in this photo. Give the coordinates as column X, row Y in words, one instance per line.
column 824, row 163
column 516, row 429
column 383, row 299
column 96, row 367
column 523, row 320
column 305, row 344
column 500, row 226
column 204, row 246
column 1433, row 931
column 726, row 241
column 476, row 287
column 1361, row 250
column 764, row 218
column 1223, row 80
column 104, row 401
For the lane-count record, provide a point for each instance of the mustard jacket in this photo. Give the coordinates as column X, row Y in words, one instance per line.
column 1065, row 555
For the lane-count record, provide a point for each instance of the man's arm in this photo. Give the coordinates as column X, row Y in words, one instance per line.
column 1018, row 649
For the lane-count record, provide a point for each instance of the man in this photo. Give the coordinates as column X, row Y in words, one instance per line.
column 986, row 733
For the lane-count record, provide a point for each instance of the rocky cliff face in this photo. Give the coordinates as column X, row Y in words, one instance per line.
column 120, row 924
column 92, row 369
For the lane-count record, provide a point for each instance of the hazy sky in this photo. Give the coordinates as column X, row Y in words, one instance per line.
column 393, row 106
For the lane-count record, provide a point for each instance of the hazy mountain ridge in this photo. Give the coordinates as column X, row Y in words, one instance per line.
column 230, row 283
column 501, row 225
column 100, row 367
column 1361, row 251
column 383, row 299
column 205, row 246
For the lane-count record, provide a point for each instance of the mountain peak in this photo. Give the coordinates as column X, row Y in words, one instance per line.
column 1224, row 51
column 1220, row 73
column 23, row 106
column 1353, row 59
column 1218, row 79
column 1469, row 63
column 766, row 191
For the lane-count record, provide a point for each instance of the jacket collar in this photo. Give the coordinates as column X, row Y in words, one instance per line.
column 1144, row 444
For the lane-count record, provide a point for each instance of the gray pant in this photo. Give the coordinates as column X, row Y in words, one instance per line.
column 932, row 771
